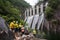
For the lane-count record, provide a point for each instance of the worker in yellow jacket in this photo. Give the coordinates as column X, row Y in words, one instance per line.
column 20, row 26
column 34, row 32
column 12, row 25
column 16, row 27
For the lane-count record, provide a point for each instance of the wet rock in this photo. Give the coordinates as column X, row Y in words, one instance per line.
column 28, row 37
column 5, row 33
column 11, row 35
column 4, row 36
column 3, row 25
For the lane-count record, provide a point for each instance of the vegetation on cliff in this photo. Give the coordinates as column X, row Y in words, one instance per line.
column 12, row 9
column 52, row 15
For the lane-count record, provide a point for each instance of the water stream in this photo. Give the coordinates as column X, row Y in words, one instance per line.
column 35, row 21
column 29, row 21
column 40, row 21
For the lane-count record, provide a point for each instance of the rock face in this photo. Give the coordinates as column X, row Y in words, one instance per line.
column 3, row 25
column 5, row 33
column 54, row 25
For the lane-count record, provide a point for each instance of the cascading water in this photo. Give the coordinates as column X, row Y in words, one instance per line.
column 40, row 20
column 29, row 21
column 35, row 21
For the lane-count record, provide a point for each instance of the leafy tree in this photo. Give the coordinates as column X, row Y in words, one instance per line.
column 49, row 13
column 53, row 21
column 52, row 6
column 11, row 9
column 54, row 3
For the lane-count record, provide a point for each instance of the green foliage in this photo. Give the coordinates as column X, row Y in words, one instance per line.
column 56, row 22
column 14, row 11
column 22, row 22
column 49, row 13
column 52, row 6
column 11, row 9
column 21, row 4
column 30, row 30
column 5, row 17
column 54, row 3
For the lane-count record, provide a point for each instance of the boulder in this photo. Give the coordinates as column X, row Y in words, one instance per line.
column 5, row 33
column 3, row 26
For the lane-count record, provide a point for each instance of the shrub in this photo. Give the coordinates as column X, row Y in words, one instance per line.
column 49, row 13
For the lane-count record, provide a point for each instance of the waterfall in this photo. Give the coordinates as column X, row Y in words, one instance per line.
column 40, row 20
column 35, row 17
column 29, row 20
column 35, row 21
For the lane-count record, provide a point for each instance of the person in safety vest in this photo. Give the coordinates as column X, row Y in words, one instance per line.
column 20, row 26
column 12, row 25
column 34, row 32
column 22, row 30
column 16, row 27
